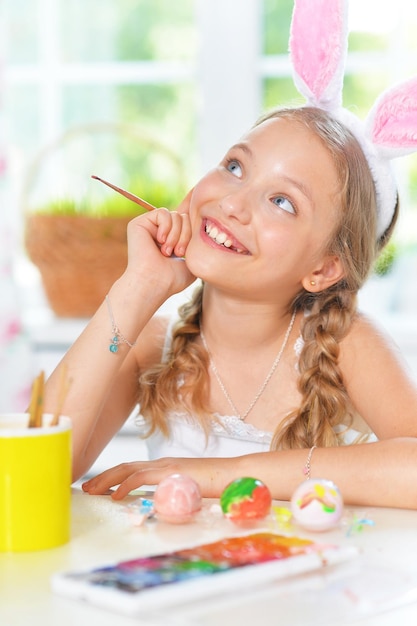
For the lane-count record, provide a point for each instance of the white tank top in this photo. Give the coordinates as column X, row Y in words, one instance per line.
column 229, row 435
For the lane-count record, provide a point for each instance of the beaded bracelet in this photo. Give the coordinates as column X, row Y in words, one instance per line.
column 117, row 335
column 307, row 466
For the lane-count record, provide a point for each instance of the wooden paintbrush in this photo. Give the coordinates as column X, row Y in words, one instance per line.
column 36, row 402
column 127, row 194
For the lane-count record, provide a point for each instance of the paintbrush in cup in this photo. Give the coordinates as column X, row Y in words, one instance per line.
column 126, row 194
column 36, row 402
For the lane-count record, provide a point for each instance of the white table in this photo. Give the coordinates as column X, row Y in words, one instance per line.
column 379, row 588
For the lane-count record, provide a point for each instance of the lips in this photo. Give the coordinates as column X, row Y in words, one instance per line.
column 223, row 238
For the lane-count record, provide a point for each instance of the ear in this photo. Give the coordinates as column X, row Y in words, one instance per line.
column 329, row 272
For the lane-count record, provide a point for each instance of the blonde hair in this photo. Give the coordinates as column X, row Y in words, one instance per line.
column 182, row 382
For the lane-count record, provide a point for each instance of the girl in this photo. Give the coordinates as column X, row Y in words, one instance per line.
column 270, row 357
column 270, row 371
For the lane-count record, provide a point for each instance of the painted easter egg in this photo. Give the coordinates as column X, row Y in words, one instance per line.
column 177, row 498
column 246, row 499
column 317, row 504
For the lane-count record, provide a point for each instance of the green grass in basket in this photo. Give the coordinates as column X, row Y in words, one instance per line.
column 116, row 205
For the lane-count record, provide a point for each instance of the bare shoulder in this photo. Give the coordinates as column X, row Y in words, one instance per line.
column 380, row 383
column 366, row 334
column 369, row 345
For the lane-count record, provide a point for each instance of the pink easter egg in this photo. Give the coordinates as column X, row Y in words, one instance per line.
column 177, row 498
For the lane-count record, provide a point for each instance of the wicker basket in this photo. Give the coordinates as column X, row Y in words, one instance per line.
column 80, row 256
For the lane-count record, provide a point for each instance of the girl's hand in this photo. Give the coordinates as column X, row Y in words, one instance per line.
column 211, row 474
column 157, row 243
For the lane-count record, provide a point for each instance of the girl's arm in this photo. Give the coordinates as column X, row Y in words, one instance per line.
column 103, row 386
column 369, row 474
column 103, row 390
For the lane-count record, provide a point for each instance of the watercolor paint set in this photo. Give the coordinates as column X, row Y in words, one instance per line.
column 226, row 565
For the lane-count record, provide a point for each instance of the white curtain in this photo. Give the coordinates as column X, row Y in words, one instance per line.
column 16, row 362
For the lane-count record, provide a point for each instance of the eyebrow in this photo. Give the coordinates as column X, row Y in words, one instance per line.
column 242, row 146
column 300, row 186
column 291, row 181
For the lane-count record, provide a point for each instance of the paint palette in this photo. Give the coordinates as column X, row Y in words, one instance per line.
column 224, row 566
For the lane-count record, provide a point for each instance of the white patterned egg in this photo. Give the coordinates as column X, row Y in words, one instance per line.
column 317, row 504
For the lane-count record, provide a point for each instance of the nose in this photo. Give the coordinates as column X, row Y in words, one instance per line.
column 237, row 205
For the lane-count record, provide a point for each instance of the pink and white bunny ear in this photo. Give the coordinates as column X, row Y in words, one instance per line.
column 318, row 48
column 391, row 124
column 390, row 131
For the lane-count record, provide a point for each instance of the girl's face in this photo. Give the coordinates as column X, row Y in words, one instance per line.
column 262, row 218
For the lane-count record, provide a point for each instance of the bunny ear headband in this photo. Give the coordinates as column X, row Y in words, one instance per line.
column 318, row 48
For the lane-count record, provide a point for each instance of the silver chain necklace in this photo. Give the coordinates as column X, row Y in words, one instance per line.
column 264, row 384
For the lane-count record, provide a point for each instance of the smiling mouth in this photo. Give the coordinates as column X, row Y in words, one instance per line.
column 222, row 238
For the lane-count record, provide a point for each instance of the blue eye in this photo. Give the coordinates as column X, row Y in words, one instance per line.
column 283, row 203
column 233, row 166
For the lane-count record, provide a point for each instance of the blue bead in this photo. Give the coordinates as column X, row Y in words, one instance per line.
column 113, row 347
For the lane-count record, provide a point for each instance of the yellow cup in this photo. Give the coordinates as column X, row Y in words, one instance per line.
column 35, row 483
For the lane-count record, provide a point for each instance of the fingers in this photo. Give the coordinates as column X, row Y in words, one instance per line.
column 171, row 230
column 173, row 233
column 100, row 484
column 133, row 481
column 129, row 476
column 185, row 236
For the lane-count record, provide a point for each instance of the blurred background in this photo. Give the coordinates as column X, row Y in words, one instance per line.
column 149, row 94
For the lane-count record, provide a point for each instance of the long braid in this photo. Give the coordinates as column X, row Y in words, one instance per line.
column 325, row 402
column 180, row 383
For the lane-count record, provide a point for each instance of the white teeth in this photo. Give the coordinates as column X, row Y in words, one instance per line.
column 215, row 234
column 219, row 237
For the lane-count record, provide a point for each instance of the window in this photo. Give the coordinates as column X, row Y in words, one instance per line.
column 191, row 74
